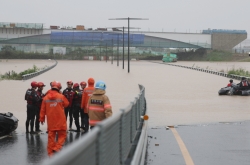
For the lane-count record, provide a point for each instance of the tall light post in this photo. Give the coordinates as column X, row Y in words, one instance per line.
column 123, row 40
column 128, row 33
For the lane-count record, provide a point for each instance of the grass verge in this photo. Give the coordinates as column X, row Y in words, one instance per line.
column 12, row 75
column 240, row 72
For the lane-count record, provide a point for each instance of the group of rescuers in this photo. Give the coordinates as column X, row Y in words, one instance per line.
column 244, row 84
column 90, row 102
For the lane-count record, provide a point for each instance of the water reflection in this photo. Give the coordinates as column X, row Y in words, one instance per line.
column 72, row 136
column 36, row 149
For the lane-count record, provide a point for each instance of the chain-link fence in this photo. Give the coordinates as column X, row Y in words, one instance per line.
column 118, row 140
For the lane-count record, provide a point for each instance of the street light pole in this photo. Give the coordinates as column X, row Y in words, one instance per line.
column 118, row 50
column 128, row 48
column 106, row 53
column 128, row 33
column 122, row 47
column 112, row 52
column 123, row 41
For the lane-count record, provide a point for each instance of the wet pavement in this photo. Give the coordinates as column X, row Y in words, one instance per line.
column 23, row 149
column 175, row 96
column 207, row 144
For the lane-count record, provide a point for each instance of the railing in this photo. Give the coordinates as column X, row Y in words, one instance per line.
column 118, row 140
column 28, row 76
column 232, row 76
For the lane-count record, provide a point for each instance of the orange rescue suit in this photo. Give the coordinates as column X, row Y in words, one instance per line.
column 87, row 92
column 53, row 108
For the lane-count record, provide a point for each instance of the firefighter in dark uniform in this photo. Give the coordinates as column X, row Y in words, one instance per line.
column 68, row 93
column 32, row 99
column 76, row 105
column 40, row 94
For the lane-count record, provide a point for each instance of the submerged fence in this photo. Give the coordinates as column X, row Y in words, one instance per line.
column 31, row 75
column 118, row 140
column 231, row 76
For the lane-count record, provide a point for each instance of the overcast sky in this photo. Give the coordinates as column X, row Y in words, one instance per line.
column 163, row 15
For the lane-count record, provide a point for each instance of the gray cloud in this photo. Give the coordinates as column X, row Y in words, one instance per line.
column 166, row 15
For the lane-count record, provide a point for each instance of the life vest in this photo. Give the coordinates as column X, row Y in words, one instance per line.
column 77, row 99
column 41, row 96
column 244, row 84
column 31, row 97
column 69, row 94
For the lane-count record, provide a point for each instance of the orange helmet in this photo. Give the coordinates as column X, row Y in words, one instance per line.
column 33, row 84
column 75, row 85
column 56, row 85
column 70, row 82
column 40, row 84
column 83, row 83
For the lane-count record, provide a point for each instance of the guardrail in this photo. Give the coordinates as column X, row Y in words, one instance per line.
column 118, row 140
column 231, row 76
column 31, row 75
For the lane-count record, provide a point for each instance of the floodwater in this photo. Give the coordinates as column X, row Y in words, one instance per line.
column 217, row 66
column 175, row 96
column 21, row 65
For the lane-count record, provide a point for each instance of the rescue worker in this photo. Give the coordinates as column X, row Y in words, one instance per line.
column 87, row 92
column 53, row 105
column 68, row 93
column 83, row 85
column 40, row 94
column 230, row 83
column 244, row 84
column 76, row 105
column 99, row 107
column 50, row 89
column 32, row 99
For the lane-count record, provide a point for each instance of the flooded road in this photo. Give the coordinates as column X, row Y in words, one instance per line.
column 217, row 66
column 175, row 96
column 21, row 65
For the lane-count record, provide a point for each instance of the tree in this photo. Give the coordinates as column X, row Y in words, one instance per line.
column 8, row 49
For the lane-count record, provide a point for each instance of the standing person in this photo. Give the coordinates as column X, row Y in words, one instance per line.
column 99, row 107
column 87, row 92
column 40, row 94
column 83, row 85
column 32, row 99
column 76, row 105
column 53, row 105
column 68, row 93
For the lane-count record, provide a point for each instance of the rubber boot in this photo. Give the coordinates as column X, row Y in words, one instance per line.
column 32, row 128
column 27, row 127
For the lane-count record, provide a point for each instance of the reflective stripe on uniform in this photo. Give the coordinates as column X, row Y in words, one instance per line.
column 50, row 101
column 107, row 106
column 94, row 122
column 94, row 108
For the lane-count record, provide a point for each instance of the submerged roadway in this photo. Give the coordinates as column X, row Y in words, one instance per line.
column 188, row 122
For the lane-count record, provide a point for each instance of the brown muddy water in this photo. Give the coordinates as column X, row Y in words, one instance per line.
column 175, row 96
column 21, row 65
